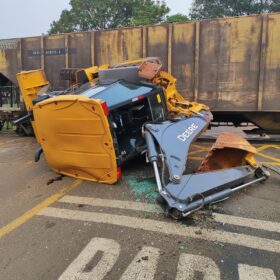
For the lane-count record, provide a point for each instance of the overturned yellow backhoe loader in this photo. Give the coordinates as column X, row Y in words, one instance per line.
column 114, row 113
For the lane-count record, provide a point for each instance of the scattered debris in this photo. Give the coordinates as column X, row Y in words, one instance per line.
column 219, row 244
column 57, row 178
column 146, row 215
column 143, row 188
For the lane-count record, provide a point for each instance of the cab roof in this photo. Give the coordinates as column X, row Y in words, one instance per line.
column 119, row 93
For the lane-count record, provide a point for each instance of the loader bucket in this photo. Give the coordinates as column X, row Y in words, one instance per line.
column 229, row 150
column 75, row 137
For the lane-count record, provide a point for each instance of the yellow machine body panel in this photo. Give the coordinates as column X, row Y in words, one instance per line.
column 76, row 139
column 30, row 83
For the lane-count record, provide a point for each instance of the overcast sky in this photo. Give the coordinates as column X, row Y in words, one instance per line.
column 24, row 18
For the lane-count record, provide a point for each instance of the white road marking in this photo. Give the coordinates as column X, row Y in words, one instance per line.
column 246, row 222
column 165, row 227
column 110, row 250
column 143, row 266
column 146, row 207
column 188, row 264
column 111, row 203
column 247, row 272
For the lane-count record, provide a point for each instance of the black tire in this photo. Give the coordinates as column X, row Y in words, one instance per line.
column 25, row 129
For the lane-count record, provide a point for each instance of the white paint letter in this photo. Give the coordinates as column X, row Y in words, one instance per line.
column 248, row 272
column 143, row 266
column 188, row 264
column 110, row 252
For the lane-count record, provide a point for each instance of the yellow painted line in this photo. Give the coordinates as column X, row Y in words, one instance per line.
column 264, row 147
column 205, row 148
column 269, row 157
column 267, row 146
column 39, row 207
column 275, row 147
column 196, row 158
column 196, row 152
column 272, row 163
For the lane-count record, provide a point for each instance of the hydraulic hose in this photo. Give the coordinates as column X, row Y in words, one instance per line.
column 38, row 154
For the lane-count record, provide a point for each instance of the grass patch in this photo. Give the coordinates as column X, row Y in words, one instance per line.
column 7, row 125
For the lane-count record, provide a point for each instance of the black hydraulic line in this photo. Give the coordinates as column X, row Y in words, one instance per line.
column 153, row 157
column 22, row 119
column 195, row 205
column 152, row 151
column 38, row 154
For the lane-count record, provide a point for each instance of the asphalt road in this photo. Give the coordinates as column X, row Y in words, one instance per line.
column 71, row 229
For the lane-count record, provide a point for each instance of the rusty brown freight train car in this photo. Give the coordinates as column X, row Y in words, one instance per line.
column 230, row 64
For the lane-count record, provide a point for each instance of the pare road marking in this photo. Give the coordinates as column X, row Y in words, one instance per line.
column 145, row 263
column 248, row 272
column 143, row 266
column 148, row 207
column 111, row 203
column 78, row 268
column 188, row 264
column 165, row 228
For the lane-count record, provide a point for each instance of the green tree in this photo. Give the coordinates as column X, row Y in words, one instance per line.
column 102, row 14
column 275, row 6
column 64, row 24
column 177, row 18
column 148, row 12
column 222, row 8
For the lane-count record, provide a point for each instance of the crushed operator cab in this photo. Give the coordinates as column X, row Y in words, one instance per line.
column 131, row 105
column 91, row 132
